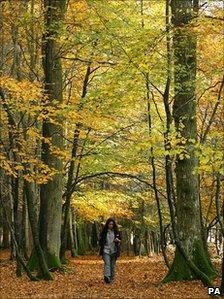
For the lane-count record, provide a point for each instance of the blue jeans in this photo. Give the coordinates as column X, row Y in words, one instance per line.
column 109, row 265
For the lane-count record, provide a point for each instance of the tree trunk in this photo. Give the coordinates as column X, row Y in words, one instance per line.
column 5, row 232
column 154, row 175
column 25, row 236
column 74, row 230
column 136, row 245
column 71, row 235
column 64, row 231
column 4, row 210
column 81, row 239
column 94, row 235
column 51, row 193
column 38, row 253
column 193, row 257
column 15, row 181
column 72, row 168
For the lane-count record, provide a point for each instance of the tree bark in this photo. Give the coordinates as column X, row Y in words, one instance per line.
column 38, row 253
column 5, row 232
column 51, row 193
column 71, row 235
column 190, row 256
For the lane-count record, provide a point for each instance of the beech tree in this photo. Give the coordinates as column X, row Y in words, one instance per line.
column 51, row 193
column 189, row 230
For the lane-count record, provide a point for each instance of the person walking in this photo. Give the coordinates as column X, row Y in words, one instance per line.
column 109, row 242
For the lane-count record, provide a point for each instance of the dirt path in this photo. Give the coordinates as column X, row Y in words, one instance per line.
column 136, row 278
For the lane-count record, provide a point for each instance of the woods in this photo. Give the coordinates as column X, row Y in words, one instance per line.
column 112, row 109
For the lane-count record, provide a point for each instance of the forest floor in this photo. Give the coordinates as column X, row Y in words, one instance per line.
column 135, row 278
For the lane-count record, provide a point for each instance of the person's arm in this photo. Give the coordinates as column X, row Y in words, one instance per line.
column 118, row 237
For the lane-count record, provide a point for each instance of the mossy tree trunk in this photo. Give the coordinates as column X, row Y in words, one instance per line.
column 38, row 254
column 184, row 113
column 51, row 193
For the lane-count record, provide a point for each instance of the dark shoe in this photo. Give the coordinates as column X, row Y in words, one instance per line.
column 106, row 279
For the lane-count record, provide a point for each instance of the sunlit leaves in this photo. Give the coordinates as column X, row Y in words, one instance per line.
column 93, row 205
column 120, row 44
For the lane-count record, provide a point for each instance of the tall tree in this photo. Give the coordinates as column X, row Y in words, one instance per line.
column 51, row 193
column 191, row 255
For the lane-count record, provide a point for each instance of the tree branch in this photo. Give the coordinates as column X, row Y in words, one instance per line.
column 110, row 173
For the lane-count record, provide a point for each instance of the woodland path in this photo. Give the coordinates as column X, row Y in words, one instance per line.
column 136, row 278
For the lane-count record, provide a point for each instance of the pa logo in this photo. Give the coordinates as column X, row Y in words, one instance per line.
column 214, row 291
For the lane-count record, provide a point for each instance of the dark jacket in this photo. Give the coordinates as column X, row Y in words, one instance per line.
column 102, row 242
